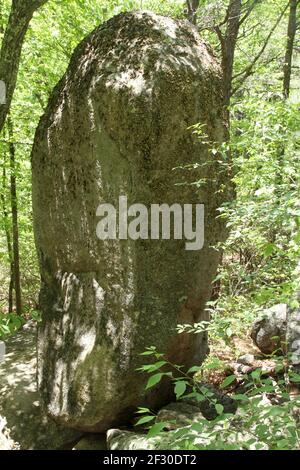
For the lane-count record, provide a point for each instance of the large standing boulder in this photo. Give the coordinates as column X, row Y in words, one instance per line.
column 117, row 125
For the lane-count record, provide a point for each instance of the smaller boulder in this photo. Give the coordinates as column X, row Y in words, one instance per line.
column 91, row 442
column 118, row 439
column 214, row 396
column 246, row 360
column 179, row 414
column 293, row 336
column 269, row 331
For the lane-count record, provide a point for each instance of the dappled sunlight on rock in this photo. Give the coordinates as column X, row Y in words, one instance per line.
column 25, row 423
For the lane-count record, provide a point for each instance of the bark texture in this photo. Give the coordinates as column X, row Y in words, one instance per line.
column 11, row 48
column 291, row 33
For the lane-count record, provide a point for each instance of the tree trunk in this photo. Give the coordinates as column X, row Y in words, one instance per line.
column 192, row 6
column 8, row 236
column 227, row 40
column 287, row 69
column 17, row 26
column 291, row 32
column 15, row 223
column 228, row 45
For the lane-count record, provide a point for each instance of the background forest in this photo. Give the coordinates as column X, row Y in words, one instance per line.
column 258, row 44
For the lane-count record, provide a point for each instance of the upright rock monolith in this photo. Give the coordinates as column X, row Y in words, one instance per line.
column 118, row 125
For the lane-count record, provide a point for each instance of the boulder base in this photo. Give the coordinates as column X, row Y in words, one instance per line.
column 23, row 425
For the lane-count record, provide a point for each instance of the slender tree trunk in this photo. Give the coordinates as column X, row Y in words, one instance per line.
column 12, row 43
column 293, row 315
column 287, row 71
column 8, row 236
column 1, row 17
column 291, row 32
column 15, row 222
column 192, row 6
column 228, row 45
column 227, row 40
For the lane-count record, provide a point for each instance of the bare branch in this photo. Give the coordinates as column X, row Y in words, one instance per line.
column 248, row 70
column 249, row 11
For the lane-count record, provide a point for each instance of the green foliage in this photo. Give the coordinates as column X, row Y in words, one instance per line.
column 258, row 423
column 262, row 250
column 9, row 323
column 261, row 253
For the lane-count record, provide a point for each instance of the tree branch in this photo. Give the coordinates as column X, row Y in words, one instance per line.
column 248, row 70
column 248, row 12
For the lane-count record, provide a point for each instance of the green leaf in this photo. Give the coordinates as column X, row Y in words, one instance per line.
column 180, row 388
column 276, row 411
column 156, row 366
column 256, row 373
column 147, row 353
column 144, row 420
column 295, row 378
column 194, row 369
column 152, row 367
column 229, row 332
column 228, row 381
column 143, row 410
column 268, row 249
column 153, row 380
column 240, row 397
column 156, row 429
column 283, row 443
column 219, row 408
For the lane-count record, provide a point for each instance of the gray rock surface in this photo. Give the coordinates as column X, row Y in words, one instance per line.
column 214, row 396
column 2, row 351
column 5, row 442
column 269, row 331
column 24, row 425
column 91, row 442
column 179, row 414
column 293, row 336
column 117, row 125
column 293, row 345
column 246, row 359
column 118, row 439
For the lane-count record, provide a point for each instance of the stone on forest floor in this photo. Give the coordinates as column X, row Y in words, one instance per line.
column 118, row 125
column 207, row 406
column 293, row 338
column 179, row 414
column 246, row 359
column 269, row 331
column 277, row 331
column 118, row 439
column 91, row 442
column 267, row 367
column 26, row 426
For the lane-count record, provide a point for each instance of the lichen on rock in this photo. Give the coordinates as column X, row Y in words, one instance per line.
column 117, row 124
